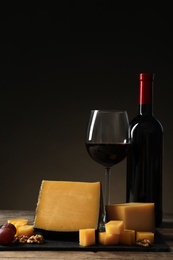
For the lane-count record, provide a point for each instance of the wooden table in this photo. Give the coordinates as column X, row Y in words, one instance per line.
column 166, row 230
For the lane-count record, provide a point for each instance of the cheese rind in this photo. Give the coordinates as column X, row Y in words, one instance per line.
column 136, row 216
column 68, row 206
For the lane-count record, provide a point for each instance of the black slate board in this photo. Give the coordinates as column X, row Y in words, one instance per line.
column 57, row 245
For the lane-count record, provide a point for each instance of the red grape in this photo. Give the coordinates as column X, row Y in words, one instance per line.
column 10, row 225
column 6, row 235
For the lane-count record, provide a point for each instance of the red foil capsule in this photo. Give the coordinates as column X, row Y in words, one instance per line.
column 146, row 88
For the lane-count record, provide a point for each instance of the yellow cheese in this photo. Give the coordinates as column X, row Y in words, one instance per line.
column 136, row 216
column 127, row 237
column 114, row 227
column 17, row 222
column 147, row 235
column 68, row 206
column 105, row 238
column 87, row 237
column 26, row 230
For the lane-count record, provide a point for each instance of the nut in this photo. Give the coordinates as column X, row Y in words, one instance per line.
column 144, row 242
column 21, row 239
column 36, row 239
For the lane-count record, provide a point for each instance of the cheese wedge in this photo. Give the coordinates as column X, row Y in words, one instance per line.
column 68, row 206
column 136, row 216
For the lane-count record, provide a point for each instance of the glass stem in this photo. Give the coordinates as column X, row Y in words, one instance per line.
column 107, row 186
column 106, row 200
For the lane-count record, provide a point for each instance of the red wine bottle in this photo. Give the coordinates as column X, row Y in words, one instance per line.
column 144, row 160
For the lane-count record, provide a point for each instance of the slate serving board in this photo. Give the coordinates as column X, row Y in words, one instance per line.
column 62, row 245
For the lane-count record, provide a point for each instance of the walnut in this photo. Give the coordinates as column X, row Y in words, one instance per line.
column 144, row 242
column 21, row 239
column 36, row 239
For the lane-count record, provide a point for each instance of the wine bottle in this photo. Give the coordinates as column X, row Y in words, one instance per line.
column 145, row 157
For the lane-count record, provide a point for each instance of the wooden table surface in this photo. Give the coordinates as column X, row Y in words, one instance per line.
column 166, row 230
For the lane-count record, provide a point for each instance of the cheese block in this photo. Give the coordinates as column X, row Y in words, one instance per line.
column 136, row 216
column 106, row 239
column 127, row 237
column 87, row 237
column 68, row 206
column 114, row 226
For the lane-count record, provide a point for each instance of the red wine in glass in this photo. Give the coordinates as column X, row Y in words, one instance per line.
column 107, row 143
column 107, row 154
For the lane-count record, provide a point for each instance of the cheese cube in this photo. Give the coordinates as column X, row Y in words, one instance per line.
column 87, row 237
column 127, row 237
column 26, row 230
column 136, row 216
column 68, row 206
column 17, row 222
column 105, row 238
column 147, row 235
column 114, row 226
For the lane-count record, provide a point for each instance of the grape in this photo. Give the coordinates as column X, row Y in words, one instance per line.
column 6, row 235
column 10, row 225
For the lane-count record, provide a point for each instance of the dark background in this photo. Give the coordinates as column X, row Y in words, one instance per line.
column 58, row 62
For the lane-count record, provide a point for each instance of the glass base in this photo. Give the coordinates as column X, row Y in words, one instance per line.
column 102, row 223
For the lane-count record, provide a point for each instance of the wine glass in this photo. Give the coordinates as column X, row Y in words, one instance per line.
column 107, row 142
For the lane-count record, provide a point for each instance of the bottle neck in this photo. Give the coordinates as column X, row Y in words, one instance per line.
column 146, row 94
column 146, row 109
